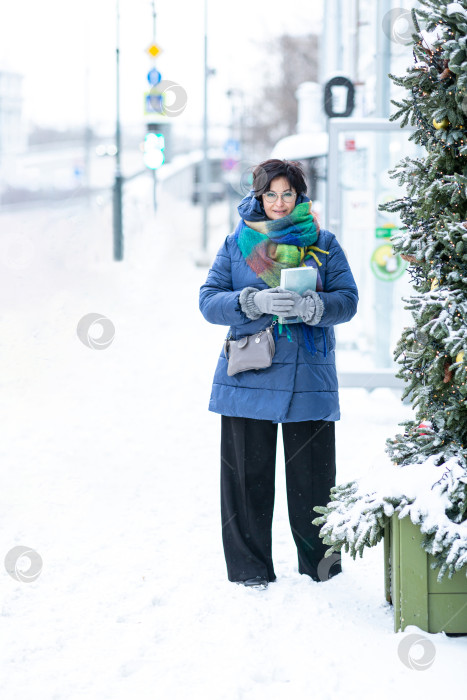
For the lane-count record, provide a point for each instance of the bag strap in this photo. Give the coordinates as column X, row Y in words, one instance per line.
column 229, row 334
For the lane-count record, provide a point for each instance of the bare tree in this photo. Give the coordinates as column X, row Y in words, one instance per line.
column 272, row 114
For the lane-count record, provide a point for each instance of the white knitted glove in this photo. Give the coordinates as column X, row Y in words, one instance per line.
column 309, row 307
column 274, row 301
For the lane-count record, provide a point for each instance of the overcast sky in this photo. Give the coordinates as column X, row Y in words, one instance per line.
column 54, row 42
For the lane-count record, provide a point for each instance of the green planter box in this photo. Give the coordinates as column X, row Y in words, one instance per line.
column 411, row 585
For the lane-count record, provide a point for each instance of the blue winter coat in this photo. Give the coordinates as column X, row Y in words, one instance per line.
column 299, row 385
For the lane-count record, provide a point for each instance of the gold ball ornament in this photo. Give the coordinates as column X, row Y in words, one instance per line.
column 460, row 356
column 434, row 284
column 443, row 124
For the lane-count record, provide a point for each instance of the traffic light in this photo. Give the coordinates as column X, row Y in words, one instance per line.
column 154, row 144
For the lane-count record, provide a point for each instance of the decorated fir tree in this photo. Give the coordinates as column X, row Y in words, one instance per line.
column 427, row 479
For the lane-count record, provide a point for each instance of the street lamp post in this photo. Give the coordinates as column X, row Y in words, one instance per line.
column 205, row 165
column 118, row 185
column 202, row 258
column 154, row 172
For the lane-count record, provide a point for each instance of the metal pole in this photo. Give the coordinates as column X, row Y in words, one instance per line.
column 117, row 129
column 205, row 164
column 340, row 41
column 87, row 120
column 117, row 193
column 231, row 94
column 356, row 73
column 154, row 188
column 384, row 291
column 383, row 61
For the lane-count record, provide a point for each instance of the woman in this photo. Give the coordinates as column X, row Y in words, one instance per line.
column 277, row 230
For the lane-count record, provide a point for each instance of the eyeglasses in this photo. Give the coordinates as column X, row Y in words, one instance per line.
column 286, row 197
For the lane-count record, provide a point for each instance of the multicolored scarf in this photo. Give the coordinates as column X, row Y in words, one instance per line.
column 271, row 245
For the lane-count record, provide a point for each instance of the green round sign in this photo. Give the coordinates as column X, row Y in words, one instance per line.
column 385, row 265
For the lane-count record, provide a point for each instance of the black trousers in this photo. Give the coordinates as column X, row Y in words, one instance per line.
column 248, row 467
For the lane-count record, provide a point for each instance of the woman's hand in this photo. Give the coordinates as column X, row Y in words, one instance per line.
column 276, row 301
column 309, row 307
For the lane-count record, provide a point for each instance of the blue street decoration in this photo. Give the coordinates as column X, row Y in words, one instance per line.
column 153, row 103
column 154, row 77
column 232, row 147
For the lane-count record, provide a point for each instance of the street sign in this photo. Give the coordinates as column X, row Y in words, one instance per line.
column 385, row 265
column 153, row 50
column 339, row 81
column 232, row 147
column 154, row 77
column 385, row 231
column 153, row 103
column 229, row 163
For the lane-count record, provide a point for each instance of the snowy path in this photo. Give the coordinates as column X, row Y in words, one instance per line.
column 110, row 471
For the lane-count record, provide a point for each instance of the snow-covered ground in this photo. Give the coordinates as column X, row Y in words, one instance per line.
column 110, row 471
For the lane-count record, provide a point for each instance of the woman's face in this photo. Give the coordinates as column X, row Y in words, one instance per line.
column 280, row 207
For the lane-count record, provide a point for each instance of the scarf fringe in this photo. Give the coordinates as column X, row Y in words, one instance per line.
column 308, row 336
column 278, row 328
column 309, row 339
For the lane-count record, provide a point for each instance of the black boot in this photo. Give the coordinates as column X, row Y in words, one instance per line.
column 257, row 582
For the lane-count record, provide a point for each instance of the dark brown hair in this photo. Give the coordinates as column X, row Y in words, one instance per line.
column 266, row 171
